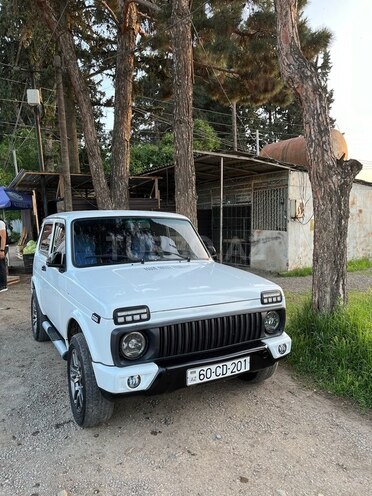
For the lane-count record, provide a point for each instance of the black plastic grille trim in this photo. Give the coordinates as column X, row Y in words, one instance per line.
column 209, row 334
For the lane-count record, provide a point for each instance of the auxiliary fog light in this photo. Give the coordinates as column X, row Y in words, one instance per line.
column 282, row 348
column 134, row 381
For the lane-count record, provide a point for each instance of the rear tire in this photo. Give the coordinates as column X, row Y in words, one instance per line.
column 36, row 320
column 88, row 405
column 260, row 375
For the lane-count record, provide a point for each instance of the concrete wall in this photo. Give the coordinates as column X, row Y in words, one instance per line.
column 360, row 222
column 301, row 230
column 269, row 250
column 291, row 249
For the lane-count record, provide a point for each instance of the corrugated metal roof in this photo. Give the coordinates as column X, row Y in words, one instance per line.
column 237, row 165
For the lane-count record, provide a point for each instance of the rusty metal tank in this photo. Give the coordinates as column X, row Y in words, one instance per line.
column 293, row 151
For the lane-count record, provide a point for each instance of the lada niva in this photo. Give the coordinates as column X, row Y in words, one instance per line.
column 136, row 304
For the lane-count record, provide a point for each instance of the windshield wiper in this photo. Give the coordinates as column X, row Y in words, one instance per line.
column 176, row 255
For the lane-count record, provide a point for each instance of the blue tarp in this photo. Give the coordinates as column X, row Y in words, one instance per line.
column 14, row 200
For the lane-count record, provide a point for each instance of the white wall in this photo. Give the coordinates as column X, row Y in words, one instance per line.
column 269, row 250
column 301, row 231
column 360, row 222
column 280, row 250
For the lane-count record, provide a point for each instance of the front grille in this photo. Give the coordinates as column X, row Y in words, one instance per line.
column 209, row 334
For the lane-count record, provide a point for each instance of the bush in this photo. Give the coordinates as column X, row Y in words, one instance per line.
column 335, row 350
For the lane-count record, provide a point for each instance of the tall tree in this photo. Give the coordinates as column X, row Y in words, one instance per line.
column 67, row 47
column 185, row 193
column 235, row 61
column 331, row 179
column 127, row 31
column 124, row 15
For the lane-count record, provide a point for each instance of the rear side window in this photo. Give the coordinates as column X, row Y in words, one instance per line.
column 45, row 238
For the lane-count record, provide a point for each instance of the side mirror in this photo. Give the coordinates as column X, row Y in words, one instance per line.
column 212, row 251
column 209, row 245
column 57, row 260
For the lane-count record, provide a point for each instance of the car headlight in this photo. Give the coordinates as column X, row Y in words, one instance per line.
column 268, row 297
column 133, row 345
column 130, row 315
column 271, row 322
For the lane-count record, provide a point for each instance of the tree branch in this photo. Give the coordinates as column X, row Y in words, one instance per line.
column 111, row 12
column 148, row 4
column 216, row 68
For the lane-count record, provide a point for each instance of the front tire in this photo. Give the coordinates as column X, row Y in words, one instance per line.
column 36, row 320
column 88, row 405
column 260, row 375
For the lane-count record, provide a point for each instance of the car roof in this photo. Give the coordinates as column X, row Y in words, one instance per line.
column 97, row 214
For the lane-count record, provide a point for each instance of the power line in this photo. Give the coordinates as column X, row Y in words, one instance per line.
column 13, row 100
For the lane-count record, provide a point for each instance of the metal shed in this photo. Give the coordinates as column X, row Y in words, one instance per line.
column 258, row 212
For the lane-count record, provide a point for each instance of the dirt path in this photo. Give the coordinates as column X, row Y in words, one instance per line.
column 226, row 438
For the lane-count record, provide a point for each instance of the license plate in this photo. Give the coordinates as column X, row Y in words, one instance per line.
column 217, row 371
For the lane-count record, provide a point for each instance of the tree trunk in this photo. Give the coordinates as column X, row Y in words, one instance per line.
column 67, row 195
column 66, row 43
column 70, row 108
column 49, row 148
column 73, row 141
column 123, row 103
column 185, row 189
column 331, row 179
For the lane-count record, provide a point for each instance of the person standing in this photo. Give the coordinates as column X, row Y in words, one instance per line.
column 3, row 246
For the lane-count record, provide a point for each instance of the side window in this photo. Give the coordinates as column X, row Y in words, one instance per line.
column 59, row 238
column 45, row 238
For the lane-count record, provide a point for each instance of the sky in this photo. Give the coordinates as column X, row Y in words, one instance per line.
column 350, row 22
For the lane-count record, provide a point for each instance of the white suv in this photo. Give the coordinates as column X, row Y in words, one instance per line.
column 135, row 303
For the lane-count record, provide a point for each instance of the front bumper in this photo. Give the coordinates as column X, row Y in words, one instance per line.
column 160, row 377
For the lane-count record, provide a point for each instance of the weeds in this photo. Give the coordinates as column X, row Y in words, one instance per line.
column 352, row 266
column 360, row 264
column 334, row 350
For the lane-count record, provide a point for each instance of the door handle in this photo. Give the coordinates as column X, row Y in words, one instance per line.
column 43, row 268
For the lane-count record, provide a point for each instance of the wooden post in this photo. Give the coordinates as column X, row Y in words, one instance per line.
column 34, row 210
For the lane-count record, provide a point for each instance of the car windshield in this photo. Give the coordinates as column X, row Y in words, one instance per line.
column 124, row 240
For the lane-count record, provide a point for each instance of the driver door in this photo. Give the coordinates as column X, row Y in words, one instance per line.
column 54, row 280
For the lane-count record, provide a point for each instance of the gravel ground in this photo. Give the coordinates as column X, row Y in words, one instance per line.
column 222, row 438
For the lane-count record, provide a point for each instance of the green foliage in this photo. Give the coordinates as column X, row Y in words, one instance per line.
column 24, row 142
column 14, row 237
column 352, row 266
column 5, row 173
column 335, row 351
column 301, row 272
column 147, row 155
column 205, row 137
column 234, row 61
column 359, row 264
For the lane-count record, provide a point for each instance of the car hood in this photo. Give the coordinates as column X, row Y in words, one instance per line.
column 165, row 286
